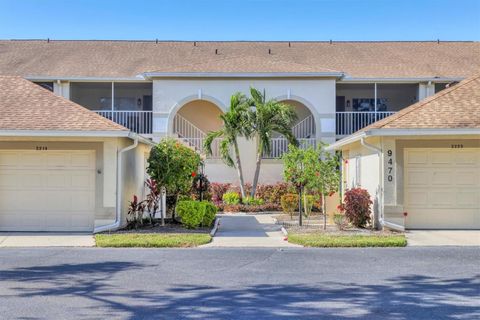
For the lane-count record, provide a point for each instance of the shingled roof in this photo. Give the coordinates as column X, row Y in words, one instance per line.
column 25, row 106
column 126, row 59
column 457, row 107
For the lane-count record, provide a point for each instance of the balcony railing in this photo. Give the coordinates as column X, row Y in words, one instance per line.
column 279, row 146
column 197, row 145
column 347, row 122
column 137, row 121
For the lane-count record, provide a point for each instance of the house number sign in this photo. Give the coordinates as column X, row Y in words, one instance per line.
column 389, row 165
column 41, row 148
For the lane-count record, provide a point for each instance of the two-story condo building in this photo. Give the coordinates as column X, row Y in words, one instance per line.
column 179, row 89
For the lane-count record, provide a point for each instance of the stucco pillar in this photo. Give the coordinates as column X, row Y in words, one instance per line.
column 62, row 88
column 425, row 90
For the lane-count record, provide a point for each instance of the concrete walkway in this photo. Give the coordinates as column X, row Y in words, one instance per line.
column 241, row 230
column 45, row 239
column 443, row 237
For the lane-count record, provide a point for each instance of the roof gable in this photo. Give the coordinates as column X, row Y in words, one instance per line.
column 457, row 107
column 27, row 106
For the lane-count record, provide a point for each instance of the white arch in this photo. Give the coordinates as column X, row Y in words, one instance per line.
column 308, row 105
column 178, row 105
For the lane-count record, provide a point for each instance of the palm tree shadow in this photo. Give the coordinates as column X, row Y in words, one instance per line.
column 406, row 297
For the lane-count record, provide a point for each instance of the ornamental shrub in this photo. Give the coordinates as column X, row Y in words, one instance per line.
column 209, row 213
column 252, row 201
column 357, row 204
column 289, row 203
column 231, row 197
column 271, row 193
column 191, row 212
column 218, row 190
column 173, row 166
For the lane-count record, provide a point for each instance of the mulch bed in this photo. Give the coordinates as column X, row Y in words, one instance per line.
column 314, row 224
column 169, row 227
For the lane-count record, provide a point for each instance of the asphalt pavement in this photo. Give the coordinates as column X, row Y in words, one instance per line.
column 240, row 283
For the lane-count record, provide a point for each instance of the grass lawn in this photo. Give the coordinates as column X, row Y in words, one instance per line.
column 152, row 240
column 336, row 240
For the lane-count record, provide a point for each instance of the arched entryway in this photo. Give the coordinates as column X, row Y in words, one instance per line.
column 194, row 120
column 304, row 130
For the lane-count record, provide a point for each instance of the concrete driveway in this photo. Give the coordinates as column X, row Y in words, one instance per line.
column 46, row 239
column 443, row 237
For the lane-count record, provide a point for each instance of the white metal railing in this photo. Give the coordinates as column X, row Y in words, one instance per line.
column 305, row 128
column 197, row 145
column 137, row 121
column 186, row 129
column 193, row 136
column 348, row 122
column 279, row 146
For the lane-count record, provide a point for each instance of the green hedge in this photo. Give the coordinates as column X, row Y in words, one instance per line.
column 196, row 213
column 209, row 213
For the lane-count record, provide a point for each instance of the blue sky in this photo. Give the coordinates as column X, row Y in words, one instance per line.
column 241, row 19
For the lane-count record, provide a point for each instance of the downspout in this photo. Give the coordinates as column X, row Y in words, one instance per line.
column 118, row 208
column 380, row 177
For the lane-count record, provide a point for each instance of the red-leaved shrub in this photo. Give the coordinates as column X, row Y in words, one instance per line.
column 218, row 190
column 356, row 205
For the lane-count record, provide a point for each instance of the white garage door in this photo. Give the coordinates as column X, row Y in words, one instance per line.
column 442, row 188
column 47, row 190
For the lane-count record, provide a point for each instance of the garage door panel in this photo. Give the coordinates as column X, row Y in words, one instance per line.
column 441, row 177
column 417, row 197
column 416, row 178
column 440, row 157
column 467, row 157
column 467, row 178
column 416, row 157
column 442, row 188
column 468, row 199
column 8, row 160
column 47, row 190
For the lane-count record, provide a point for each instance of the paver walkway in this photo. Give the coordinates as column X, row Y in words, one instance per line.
column 241, row 230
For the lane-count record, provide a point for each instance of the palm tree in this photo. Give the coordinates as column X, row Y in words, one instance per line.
column 267, row 118
column 235, row 124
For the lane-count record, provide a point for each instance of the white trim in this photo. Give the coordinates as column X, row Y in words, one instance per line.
column 422, row 132
column 50, row 133
column 138, row 78
column 401, row 132
column 347, row 79
column 149, row 75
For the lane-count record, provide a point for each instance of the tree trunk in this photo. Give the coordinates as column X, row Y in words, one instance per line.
column 257, row 171
column 239, row 169
column 324, row 209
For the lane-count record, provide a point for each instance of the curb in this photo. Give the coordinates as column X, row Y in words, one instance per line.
column 215, row 227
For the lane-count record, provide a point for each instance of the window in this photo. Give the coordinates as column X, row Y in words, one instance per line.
column 98, row 95
column 358, row 173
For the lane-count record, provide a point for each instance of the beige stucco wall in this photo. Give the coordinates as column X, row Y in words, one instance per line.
column 106, row 167
column 316, row 96
column 393, row 190
column 169, row 95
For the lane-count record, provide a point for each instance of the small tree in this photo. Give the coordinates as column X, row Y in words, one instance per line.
column 173, row 166
column 325, row 176
column 298, row 166
column 266, row 118
column 235, row 124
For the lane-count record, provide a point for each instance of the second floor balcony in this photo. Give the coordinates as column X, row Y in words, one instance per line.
column 348, row 122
